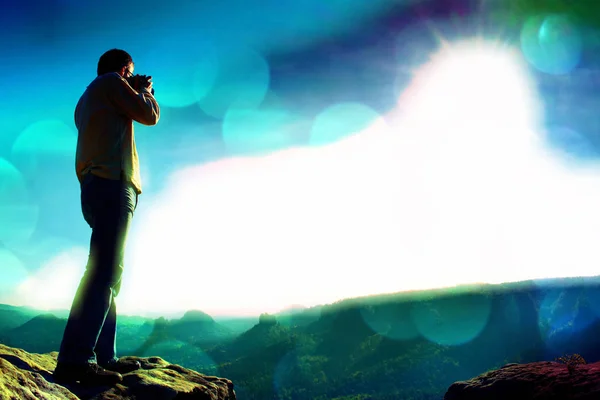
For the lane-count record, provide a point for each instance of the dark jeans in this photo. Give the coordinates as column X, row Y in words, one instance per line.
column 90, row 334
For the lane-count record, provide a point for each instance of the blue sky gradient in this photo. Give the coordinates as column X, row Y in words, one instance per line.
column 248, row 87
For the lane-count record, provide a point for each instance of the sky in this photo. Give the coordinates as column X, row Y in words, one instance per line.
column 307, row 151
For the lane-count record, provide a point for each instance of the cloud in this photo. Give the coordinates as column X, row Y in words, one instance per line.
column 52, row 286
column 358, row 217
column 13, row 271
column 416, row 206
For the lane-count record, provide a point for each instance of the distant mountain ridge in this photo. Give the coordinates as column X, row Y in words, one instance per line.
column 196, row 316
column 12, row 316
column 256, row 339
column 24, row 327
column 404, row 345
column 41, row 334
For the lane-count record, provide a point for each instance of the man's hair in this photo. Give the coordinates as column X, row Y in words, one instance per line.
column 113, row 60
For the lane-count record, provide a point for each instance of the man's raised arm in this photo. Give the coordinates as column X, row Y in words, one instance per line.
column 139, row 106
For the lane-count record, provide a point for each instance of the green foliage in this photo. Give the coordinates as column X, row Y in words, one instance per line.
column 267, row 319
column 339, row 356
column 11, row 317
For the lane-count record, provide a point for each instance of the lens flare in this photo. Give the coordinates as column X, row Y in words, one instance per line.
column 19, row 217
column 452, row 321
column 551, row 43
column 288, row 370
column 242, row 82
column 563, row 314
column 391, row 321
column 182, row 75
column 42, row 140
column 340, row 121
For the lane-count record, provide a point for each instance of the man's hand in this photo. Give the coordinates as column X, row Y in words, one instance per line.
column 146, row 82
column 139, row 82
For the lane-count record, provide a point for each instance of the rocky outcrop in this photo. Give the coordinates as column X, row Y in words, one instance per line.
column 546, row 380
column 26, row 376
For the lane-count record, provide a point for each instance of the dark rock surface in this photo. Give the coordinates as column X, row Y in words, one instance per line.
column 27, row 376
column 546, row 380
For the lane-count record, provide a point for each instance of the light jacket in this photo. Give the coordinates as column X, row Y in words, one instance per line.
column 104, row 118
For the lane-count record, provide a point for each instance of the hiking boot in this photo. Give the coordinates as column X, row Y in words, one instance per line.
column 86, row 374
column 122, row 366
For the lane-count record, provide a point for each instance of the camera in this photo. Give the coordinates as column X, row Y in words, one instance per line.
column 135, row 81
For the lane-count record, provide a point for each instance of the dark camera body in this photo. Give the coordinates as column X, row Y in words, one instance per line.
column 135, row 81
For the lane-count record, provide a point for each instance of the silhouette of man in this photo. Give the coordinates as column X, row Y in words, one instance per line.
column 107, row 168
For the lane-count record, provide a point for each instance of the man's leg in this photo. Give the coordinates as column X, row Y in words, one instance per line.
column 106, row 346
column 106, row 349
column 107, row 208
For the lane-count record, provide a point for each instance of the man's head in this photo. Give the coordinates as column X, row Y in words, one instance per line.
column 116, row 60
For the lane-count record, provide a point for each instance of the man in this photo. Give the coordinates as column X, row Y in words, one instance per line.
column 107, row 168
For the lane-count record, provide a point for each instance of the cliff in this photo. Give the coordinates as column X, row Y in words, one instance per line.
column 546, row 380
column 27, row 376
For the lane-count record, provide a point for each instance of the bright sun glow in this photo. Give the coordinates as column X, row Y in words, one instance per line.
column 53, row 286
column 455, row 188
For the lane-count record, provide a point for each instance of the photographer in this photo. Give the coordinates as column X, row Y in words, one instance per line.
column 108, row 170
